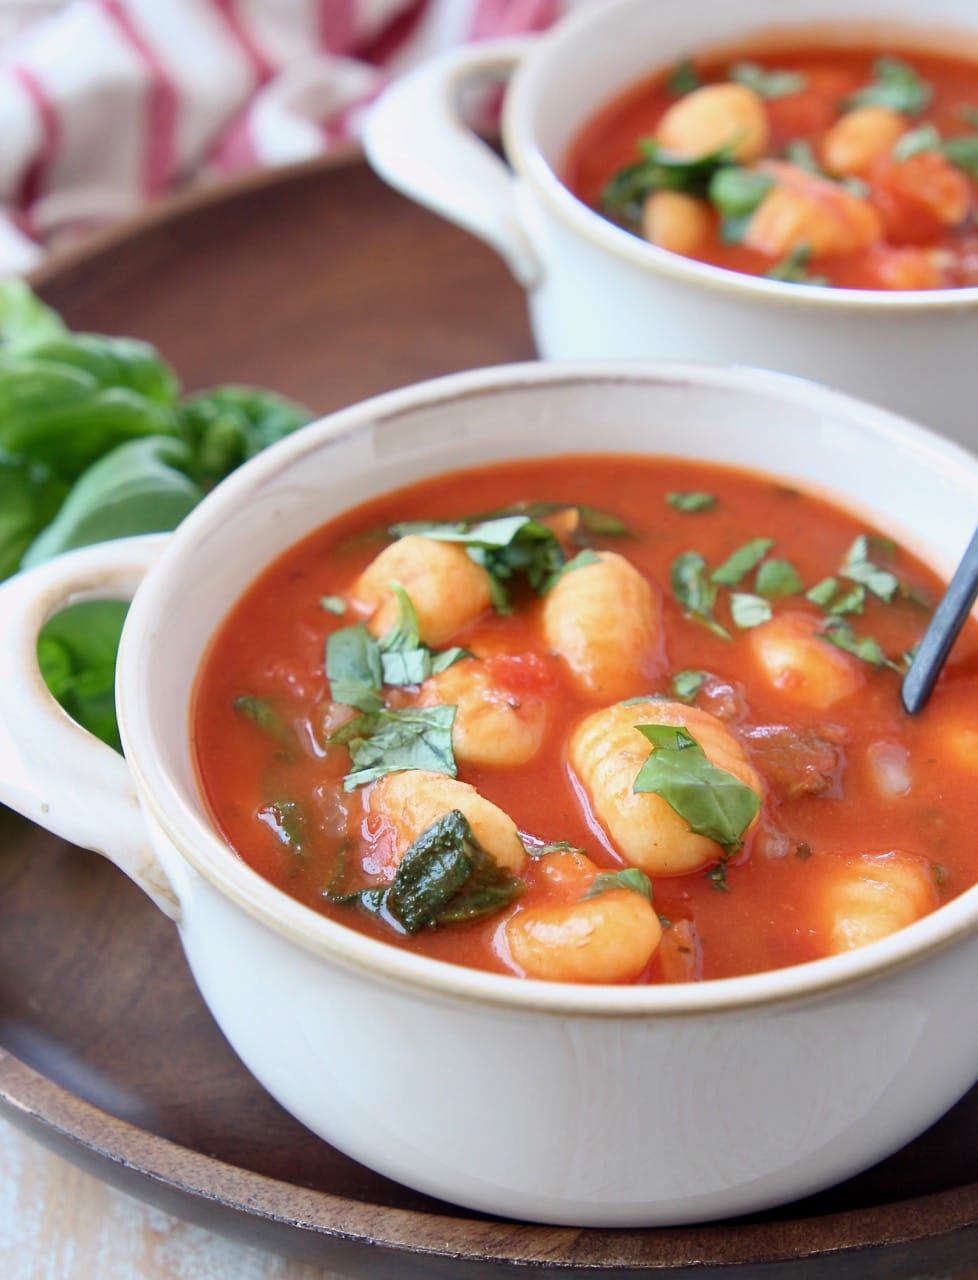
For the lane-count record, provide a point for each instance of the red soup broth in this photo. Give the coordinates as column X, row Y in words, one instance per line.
column 923, row 202
column 858, row 777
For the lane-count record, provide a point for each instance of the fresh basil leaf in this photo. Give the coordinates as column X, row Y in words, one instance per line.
column 687, row 684
column 793, row 268
column 710, row 800
column 631, row 878
column 741, row 562
column 111, row 362
column 76, row 653
column 838, row 632
column 695, row 591
column 446, row 877
column 592, row 520
column 692, row 501
column 776, row 578
column 857, row 567
column 406, row 666
column 897, row 86
column 261, row 713
column 963, row 153
column 749, row 610
column 924, row 138
column 404, row 633
column 289, row 822
column 24, row 319
column 800, row 153
column 227, row 425
column 766, row 83
column 683, row 78
column 138, row 487
column 848, row 602
column 736, row 191
column 580, row 561
column 659, row 170
column 390, row 741
column 822, row 592
column 354, row 668
column 29, row 499
column 335, row 605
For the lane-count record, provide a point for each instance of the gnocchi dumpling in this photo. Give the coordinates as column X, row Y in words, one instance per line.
column 445, row 585
column 402, row 806
column 609, row 937
column 500, row 719
column 603, row 620
column 869, row 896
column 606, row 754
column 798, row 661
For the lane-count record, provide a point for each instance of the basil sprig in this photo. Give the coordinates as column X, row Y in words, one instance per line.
column 631, row 878
column 393, row 739
column 445, row 877
column 896, row 86
column 710, row 800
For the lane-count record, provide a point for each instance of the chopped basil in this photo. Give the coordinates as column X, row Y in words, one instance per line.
column 558, row 846
column 264, row 715
column 692, row 501
column 740, row 562
column 694, row 590
column 926, row 138
column 404, row 633
column 389, row 741
column 765, row 83
column 776, row 578
column 354, row 668
column 858, row 567
column 967, row 112
column 866, row 648
column 897, row 86
column 580, row 561
column 793, row 268
column 749, row 610
column 713, row 802
column 718, row 876
column 333, row 604
column 445, row 877
column 603, row 523
column 659, row 170
column 288, row 821
column 505, row 547
column 683, row 79
column 963, row 152
column 733, row 228
column 801, row 154
column 631, row 878
column 687, row 684
column 848, row 602
column 736, row 191
column 822, row 592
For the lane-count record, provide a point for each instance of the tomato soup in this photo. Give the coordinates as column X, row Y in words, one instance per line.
column 598, row 719
column 851, row 167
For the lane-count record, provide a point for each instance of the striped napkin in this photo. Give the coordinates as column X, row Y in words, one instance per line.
column 106, row 104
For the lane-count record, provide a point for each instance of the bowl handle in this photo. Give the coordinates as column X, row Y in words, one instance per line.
column 52, row 770
column 417, row 140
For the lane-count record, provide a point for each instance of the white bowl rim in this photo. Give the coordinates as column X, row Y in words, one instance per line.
column 529, row 163
column 207, row 853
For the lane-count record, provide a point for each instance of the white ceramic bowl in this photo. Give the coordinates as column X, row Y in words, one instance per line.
column 604, row 1106
column 596, row 291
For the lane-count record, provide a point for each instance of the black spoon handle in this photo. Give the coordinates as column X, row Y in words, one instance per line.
column 949, row 617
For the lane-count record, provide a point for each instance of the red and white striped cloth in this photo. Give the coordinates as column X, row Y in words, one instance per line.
column 108, row 103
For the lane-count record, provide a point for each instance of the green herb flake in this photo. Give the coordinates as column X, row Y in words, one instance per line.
column 580, row 561
column 849, row 602
column 390, row 741
column 288, row 821
column 793, row 268
column 866, row 648
column 631, row 878
column 354, row 668
column 445, row 877
column 557, row 846
column 261, row 713
column 822, row 592
column 712, row 801
column 749, row 610
column 659, row 170
column 767, row 83
column 687, row 684
column 962, row 151
column 801, row 154
column 777, row 578
column 858, row 567
column 335, row 605
column 897, row 86
column 747, row 557
column 404, row 633
column 683, row 78
column 693, row 501
column 736, row 191
column 717, row 875
column 695, row 592
column 912, row 143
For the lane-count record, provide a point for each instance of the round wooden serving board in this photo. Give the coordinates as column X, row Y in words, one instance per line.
column 319, row 282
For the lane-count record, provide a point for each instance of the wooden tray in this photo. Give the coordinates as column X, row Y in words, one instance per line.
column 321, row 283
